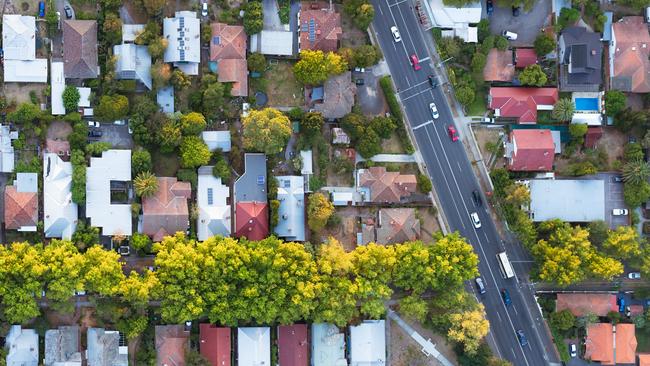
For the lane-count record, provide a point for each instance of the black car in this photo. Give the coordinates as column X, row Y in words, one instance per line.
column 476, row 196
column 359, row 81
column 432, row 81
column 617, row 179
column 522, row 338
column 489, row 6
column 68, row 11
column 95, row 133
column 516, row 11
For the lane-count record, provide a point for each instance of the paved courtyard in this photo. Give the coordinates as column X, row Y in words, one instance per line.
column 526, row 25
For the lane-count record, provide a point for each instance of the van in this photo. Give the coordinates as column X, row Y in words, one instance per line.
column 647, row 14
column 480, row 285
column 512, row 36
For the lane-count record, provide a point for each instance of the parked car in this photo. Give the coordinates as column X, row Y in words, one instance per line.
column 434, row 110
column 476, row 196
column 516, row 11
column 505, row 295
column 432, row 81
column 620, row 212
column 522, row 338
column 95, row 133
column 489, row 7
column 80, row 293
column 93, row 124
column 512, row 36
column 41, row 9
column 359, row 81
column 120, row 122
column 480, row 285
column 617, row 179
column 68, row 11
column 395, row 32
column 634, row 275
column 204, row 9
column 475, row 220
column 359, row 69
column 573, row 349
column 124, row 250
column 415, row 62
column 453, row 135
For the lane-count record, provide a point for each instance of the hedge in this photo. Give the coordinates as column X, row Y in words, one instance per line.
column 396, row 111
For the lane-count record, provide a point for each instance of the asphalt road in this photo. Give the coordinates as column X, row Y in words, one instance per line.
column 454, row 181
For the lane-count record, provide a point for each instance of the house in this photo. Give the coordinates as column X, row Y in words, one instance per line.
column 593, row 135
column 251, row 209
column 530, row 151
column 252, row 220
column 21, row 203
column 581, row 304
column 133, row 63
column 272, row 43
column 80, row 49
column 217, row 140
column 525, row 57
column 567, row 200
column 107, row 180
column 629, row 66
column 182, row 33
column 499, row 66
column 213, row 198
column 57, row 86
column 293, row 345
column 397, row 225
column 644, row 359
column 581, row 57
column 338, row 97
column 611, row 344
column 228, row 53
column 215, row 344
column 60, row 214
column 22, row 347
column 19, row 46
column 171, row 344
column 106, row 348
column 455, row 21
column 166, row 211
column 368, row 343
column 320, row 27
column 327, row 345
column 253, row 346
column 521, row 104
column 7, row 149
column 380, row 186
column 291, row 194
column 165, row 99
column 63, row 346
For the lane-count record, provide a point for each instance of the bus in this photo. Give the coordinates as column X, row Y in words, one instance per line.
column 504, row 265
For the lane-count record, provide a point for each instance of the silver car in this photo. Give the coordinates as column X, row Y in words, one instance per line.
column 396, row 35
column 434, row 110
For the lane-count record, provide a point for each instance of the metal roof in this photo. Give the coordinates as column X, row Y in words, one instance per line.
column 569, row 200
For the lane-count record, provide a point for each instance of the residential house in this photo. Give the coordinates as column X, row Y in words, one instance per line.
column 171, row 343
column 291, row 194
column 644, row 359
column 380, row 186
column 581, row 57
column 60, row 214
column 217, row 140
column 19, row 46
column 7, row 149
column 80, row 49
column 106, row 348
column 166, row 211
column 182, row 33
column 530, row 151
column 525, row 57
column 293, row 345
column 397, row 225
column 629, row 64
column 21, row 203
column 215, row 344
column 567, row 200
column 327, row 345
column 57, row 86
column 251, row 208
column 252, row 220
column 368, row 343
column 107, row 187
column 455, row 21
column 320, row 27
column 213, row 198
column 22, row 347
column 521, row 104
column 499, row 66
column 611, row 344
column 338, row 97
column 581, row 304
column 63, row 346
column 273, row 43
column 133, row 63
column 228, row 53
column 253, row 346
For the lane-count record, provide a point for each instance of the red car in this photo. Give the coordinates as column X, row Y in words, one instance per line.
column 453, row 135
column 415, row 62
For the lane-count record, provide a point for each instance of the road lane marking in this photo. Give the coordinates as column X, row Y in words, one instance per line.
column 414, row 95
column 425, row 59
column 459, row 168
column 414, row 86
column 404, row 20
column 422, row 125
column 397, row 3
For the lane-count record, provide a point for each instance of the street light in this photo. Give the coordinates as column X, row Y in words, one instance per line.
column 443, row 62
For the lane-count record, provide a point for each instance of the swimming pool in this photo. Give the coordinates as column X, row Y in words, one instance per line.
column 586, row 104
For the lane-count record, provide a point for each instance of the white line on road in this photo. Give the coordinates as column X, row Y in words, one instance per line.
column 411, row 87
column 460, row 170
column 415, row 95
column 422, row 125
column 397, row 3
column 425, row 59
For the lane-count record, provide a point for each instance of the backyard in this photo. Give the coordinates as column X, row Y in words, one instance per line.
column 281, row 86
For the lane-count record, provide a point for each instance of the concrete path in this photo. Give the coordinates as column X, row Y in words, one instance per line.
column 428, row 348
column 390, row 158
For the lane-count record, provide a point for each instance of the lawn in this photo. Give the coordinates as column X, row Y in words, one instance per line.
column 643, row 340
column 477, row 108
column 282, row 87
column 165, row 165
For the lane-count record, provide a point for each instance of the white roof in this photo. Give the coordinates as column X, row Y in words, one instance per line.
column 18, row 37
column 342, row 198
column 114, row 219
column 131, row 31
column 368, row 343
column 22, row 345
column 450, row 17
column 570, row 200
column 279, row 43
column 307, row 162
column 467, row 33
column 591, row 119
column 28, row 71
column 254, row 346
column 184, row 47
column 214, row 216
column 133, row 63
column 327, row 345
column 57, row 79
column 6, row 149
column 60, row 213
column 291, row 194
column 217, row 140
column 84, row 97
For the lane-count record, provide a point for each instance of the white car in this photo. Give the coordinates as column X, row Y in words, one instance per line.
column 93, row 124
column 512, row 36
column 204, row 9
column 395, row 33
column 120, row 122
column 634, row 275
column 573, row 350
column 620, row 212
column 434, row 110
column 475, row 220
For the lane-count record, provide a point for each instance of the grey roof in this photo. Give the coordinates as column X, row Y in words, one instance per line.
column 338, row 96
column 133, row 63
column 251, row 186
column 568, row 200
column 22, row 346
column 291, row 194
column 104, row 348
column 581, row 53
column 607, row 28
column 63, row 345
column 327, row 345
column 165, row 99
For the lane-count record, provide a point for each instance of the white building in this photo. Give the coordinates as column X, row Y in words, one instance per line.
column 22, row 347
column 254, row 346
column 368, row 343
column 184, row 41
column 271, row 42
column 217, row 140
column 7, row 149
column 133, row 63
column 214, row 210
column 57, row 86
column 291, row 222
column 19, row 46
column 60, row 214
column 455, row 22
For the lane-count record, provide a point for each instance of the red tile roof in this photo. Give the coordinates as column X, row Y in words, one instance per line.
column 293, row 345
column 166, row 212
column 326, row 24
column 397, row 225
column 525, row 57
column 534, row 150
column 521, row 103
column 644, row 359
column 215, row 344
column 234, row 71
column 609, row 347
column 171, row 343
column 21, row 208
column 499, row 66
column 582, row 304
column 252, row 220
column 228, row 50
column 387, row 186
column 631, row 64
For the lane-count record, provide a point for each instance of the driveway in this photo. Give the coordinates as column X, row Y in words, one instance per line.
column 370, row 100
column 271, row 17
column 613, row 199
column 526, row 25
column 118, row 136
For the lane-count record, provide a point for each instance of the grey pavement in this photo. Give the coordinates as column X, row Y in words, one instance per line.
column 118, row 136
column 370, row 99
column 390, row 158
column 428, row 348
column 526, row 25
column 271, row 17
column 613, row 198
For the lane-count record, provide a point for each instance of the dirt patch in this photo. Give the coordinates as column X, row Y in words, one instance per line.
column 352, row 36
column 404, row 351
column 346, row 233
column 282, row 87
column 58, row 130
column 428, row 224
column 613, row 141
column 20, row 92
column 484, row 137
column 392, row 145
column 165, row 165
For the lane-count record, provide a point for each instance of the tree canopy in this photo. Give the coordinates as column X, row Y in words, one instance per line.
column 533, row 75
column 267, row 130
column 315, row 67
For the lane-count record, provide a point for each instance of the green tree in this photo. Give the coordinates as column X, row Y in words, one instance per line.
column 366, row 55
column 319, row 211
column 64, row 272
column 112, row 28
column 361, row 12
column 311, row 124
column 354, row 124
column 568, row 17
column 24, row 113
column 478, row 62
column 97, row 148
column 562, row 320
column 501, row 43
column 253, row 18
column 157, row 49
column 140, row 242
column 52, row 21
column 85, row 236
column 145, row 184
column 633, row 152
column 636, row 172
column 598, row 232
column 193, row 123
column 256, row 62
column 112, row 107
column 150, row 32
column 469, row 328
column 635, row 4
column 636, row 193
column 194, row 152
column 21, row 276
column 414, row 307
column 78, row 162
column 153, row 7
column 369, row 144
column 103, row 273
column 161, row 74
column 578, row 132
column 615, row 101
column 629, row 119
column 563, row 110
column 533, row 75
column 213, row 99
column 71, row 98
column 544, row 44
column 169, row 136
column 315, row 67
column 424, row 183
column 140, row 161
column 622, row 243
column 180, row 80
column 383, row 126
column 266, row 130
column 465, row 95
column 221, row 169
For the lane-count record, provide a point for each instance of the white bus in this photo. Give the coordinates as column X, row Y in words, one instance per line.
column 504, row 265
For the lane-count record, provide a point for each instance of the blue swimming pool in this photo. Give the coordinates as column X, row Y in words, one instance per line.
column 586, row 104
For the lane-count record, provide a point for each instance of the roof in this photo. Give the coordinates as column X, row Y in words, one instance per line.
column 593, row 135
column 625, row 348
column 21, row 203
column 340, row 137
column 227, row 42
column 7, row 149
column 215, row 344
column 84, row 97
column 644, row 359
column 57, row 82
column 60, row 214
column 328, row 345
column 521, row 103
column 251, row 186
column 389, row 187
column 133, row 63
column 269, row 42
column 252, row 220
column 131, row 31
column 320, row 27
column 104, row 348
column 25, row 71
column 339, row 96
column 525, row 57
column 397, row 225
column 214, row 212
column 18, row 37
column 342, row 198
column 234, row 71
column 631, row 72
column 293, row 345
column 581, row 304
column 531, row 151
column 607, row 28
column 451, row 17
column 166, row 212
column 568, row 200
column 291, row 194
column 368, row 343
column 609, row 346
column 113, row 218
column 171, row 342
column 58, row 147
column 581, row 51
column 63, row 346
column 307, row 162
column 184, row 43
column 22, row 347
column 165, row 99
column 254, row 346
column 499, row 66
column 80, row 49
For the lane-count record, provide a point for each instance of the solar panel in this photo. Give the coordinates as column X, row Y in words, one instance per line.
column 182, row 55
column 304, row 27
column 286, row 183
column 216, row 40
column 260, row 179
column 210, row 197
column 312, row 30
